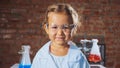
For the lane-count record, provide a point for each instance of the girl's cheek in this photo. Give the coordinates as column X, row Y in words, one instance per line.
column 68, row 36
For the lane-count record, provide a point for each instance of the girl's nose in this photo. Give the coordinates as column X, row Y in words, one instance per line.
column 60, row 32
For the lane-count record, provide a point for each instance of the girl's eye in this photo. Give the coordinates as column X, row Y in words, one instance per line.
column 65, row 27
column 54, row 27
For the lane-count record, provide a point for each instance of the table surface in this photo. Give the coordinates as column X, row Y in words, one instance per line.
column 92, row 66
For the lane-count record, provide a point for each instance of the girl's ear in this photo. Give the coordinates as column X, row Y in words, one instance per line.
column 46, row 28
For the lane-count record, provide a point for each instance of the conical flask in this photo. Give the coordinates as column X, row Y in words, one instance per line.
column 95, row 55
column 25, row 60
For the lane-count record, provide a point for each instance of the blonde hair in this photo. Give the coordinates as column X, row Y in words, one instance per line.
column 61, row 7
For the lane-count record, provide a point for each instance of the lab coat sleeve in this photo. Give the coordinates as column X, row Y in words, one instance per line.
column 35, row 63
column 39, row 61
column 84, row 63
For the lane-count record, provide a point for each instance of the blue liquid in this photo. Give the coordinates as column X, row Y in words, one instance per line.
column 24, row 66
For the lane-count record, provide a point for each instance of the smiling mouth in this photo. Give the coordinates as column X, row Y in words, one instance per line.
column 60, row 38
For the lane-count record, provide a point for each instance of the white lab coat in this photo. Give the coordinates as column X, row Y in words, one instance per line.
column 74, row 59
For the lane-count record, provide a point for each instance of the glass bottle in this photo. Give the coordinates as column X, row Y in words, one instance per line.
column 25, row 60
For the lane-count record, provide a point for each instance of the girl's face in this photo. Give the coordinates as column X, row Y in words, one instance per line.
column 59, row 28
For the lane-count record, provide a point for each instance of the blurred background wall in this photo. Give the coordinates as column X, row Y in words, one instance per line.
column 20, row 23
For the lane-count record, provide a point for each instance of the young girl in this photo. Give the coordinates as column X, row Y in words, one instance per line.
column 60, row 24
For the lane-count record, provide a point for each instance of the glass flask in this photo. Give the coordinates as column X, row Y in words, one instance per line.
column 25, row 61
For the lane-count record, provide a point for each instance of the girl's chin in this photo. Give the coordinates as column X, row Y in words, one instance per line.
column 60, row 42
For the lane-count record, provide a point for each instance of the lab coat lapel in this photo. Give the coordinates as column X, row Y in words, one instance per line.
column 49, row 63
